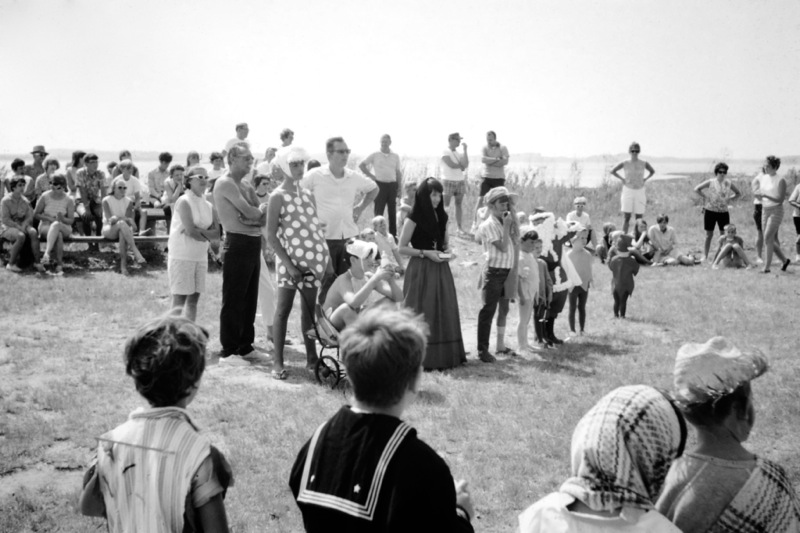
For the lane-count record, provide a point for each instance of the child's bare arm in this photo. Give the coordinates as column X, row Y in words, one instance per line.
column 212, row 516
column 91, row 502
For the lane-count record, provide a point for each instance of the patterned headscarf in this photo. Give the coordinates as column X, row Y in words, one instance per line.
column 622, row 449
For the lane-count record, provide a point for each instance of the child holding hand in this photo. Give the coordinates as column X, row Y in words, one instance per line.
column 157, row 472
column 623, row 269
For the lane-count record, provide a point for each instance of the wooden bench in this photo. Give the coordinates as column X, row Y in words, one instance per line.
column 92, row 239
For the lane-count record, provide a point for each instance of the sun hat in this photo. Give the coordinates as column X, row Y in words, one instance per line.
column 455, row 136
column 497, row 193
column 361, row 249
column 713, row 369
column 579, row 200
column 39, row 148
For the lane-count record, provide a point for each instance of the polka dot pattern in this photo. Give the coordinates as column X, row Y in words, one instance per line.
column 302, row 239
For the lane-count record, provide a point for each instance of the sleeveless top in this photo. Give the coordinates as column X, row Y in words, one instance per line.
column 300, row 235
column 180, row 245
column 717, row 195
column 119, row 207
column 634, row 177
column 52, row 207
column 769, row 185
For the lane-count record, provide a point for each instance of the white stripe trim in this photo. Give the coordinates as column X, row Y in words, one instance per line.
column 337, row 503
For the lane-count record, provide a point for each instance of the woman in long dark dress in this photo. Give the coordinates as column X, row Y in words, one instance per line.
column 428, row 288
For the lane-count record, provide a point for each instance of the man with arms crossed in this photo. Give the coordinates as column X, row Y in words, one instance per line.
column 238, row 208
column 633, row 196
column 493, row 172
column 453, row 166
column 334, row 188
column 389, row 177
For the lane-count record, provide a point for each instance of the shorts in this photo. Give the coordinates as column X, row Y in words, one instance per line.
column 454, row 188
column 771, row 218
column 633, row 200
column 187, row 277
column 490, row 183
column 716, row 218
column 757, row 210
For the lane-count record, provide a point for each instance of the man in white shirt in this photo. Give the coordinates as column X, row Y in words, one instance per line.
column 334, row 188
column 493, row 171
column 453, row 165
column 389, row 177
column 242, row 131
column 156, row 178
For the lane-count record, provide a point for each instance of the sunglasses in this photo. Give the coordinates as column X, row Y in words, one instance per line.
column 343, row 151
column 634, row 151
column 122, row 188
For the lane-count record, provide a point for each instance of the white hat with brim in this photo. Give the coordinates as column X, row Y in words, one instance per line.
column 361, row 249
column 713, row 369
column 499, row 192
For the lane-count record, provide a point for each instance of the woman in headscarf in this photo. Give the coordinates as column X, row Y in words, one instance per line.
column 301, row 254
column 621, row 451
column 428, row 287
column 720, row 486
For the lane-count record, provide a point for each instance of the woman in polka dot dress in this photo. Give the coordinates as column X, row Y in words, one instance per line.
column 295, row 234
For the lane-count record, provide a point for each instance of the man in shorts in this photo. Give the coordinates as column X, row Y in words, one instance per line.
column 453, row 165
column 493, row 171
column 633, row 195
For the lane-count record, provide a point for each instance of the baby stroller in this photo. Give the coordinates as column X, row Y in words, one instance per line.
column 329, row 370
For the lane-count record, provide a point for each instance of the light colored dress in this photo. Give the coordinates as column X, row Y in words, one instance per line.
column 301, row 236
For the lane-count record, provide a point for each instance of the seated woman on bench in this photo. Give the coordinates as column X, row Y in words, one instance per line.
column 118, row 224
column 359, row 287
column 55, row 212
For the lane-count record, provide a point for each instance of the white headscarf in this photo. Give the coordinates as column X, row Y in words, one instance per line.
column 293, row 154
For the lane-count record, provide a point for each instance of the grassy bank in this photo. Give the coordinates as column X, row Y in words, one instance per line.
column 504, row 427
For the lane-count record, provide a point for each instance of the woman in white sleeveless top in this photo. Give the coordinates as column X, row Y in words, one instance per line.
column 55, row 212
column 118, row 224
column 772, row 192
column 189, row 235
column 633, row 199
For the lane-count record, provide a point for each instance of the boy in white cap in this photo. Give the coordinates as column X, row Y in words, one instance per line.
column 580, row 216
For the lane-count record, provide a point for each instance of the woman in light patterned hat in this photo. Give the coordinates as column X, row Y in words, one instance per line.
column 621, row 451
column 720, row 485
column 301, row 254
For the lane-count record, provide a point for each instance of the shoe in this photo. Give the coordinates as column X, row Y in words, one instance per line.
column 15, row 268
column 759, row 261
column 46, row 259
column 257, row 358
column 550, row 334
column 39, row 268
column 507, row 351
column 785, row 264
column 233, row 360
column 280, row 375
column 139, row 258
column 486, row 357
column 59, row 271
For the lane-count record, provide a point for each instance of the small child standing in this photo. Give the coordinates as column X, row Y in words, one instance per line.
column 387, row 245
column 731, row 250
column 148, row 469
column 623, row 269
column 582, row 217
column 535, row 289
column 581, row 259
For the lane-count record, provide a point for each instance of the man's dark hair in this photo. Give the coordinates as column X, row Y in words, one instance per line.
column 124, row 154
column 165, row 157
column 313, row 163
column 330, row 142
column 166, row 359
column 720, row 167
column 714, row 412
column 17, row 163
column 662, row 218
column 383, row 351
column 774, row 162
column 285, row 133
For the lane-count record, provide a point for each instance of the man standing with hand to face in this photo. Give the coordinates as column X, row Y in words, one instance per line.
column 239, row 213
column 389, row 177
column 453, row 165
column 493, row 172
column 334, row 188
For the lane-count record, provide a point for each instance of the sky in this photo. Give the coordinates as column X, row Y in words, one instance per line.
column 569, row 78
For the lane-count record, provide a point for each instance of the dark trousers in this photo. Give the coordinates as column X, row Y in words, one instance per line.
column 387, row 197
column 338, row 265
column 93, row 213
column 493, row 280
column 620, row 303
column 240, row 272
column 577, row 301
column 168, row 218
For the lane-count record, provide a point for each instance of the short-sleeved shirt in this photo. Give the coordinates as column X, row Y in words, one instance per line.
column 335, row 199
column 491, row 171
column 583, row 219
column 233, row 142
column 451, row 174
column 13, row 210
column 133, row 184
column 91, row 183
column 384, row 166
column 489, row 231
column 155, row 183
column 661, row 241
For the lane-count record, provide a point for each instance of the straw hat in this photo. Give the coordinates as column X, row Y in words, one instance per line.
column 713, row 369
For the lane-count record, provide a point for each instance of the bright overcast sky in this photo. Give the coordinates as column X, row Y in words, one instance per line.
column 557, row 77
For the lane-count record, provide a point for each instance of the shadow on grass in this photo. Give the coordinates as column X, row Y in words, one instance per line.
column 430, row 397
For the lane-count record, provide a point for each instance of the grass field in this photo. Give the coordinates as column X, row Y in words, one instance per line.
column 505, row 427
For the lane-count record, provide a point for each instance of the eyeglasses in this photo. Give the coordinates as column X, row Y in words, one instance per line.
column 343, row 151
column 634, row 151
column 301, row 164
column 122, row 188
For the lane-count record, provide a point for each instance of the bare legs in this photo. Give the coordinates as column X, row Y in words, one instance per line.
column 282, row 311
column 459, row 210
column 186, row 305
column 626, row 220
column 123, row 233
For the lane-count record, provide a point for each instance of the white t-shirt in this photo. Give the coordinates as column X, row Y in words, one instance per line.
column 335, row 199
column 236, row 140
column 117, row 206
column 181, row 246
column 451, row 174
column 134, row 186
column 584, row 219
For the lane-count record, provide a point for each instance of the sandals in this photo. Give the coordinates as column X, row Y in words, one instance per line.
column 507, row 351
column 279, row 375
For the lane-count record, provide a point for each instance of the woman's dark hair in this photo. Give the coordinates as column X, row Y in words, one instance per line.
column 52, row 161
column 77, row 157
column 15, row 181
column 714, row 412
column 637, row 233
column 662, row 218
column 313, row 164
column 16, row 164
column 720, row 167
column 175, row 168
column 430, row 223
column 774, row 162
column 166, row 359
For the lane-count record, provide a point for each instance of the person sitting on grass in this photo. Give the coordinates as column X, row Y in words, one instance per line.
column 55, row 211
column 16, row 225
column 157, row 472
column 720, row 485
column 662, row 237
column 641, row 249
column 731, row 251
column 360, row 287
column 365, row 469
column 621, row 452
column 118, row 224
column 605, row 245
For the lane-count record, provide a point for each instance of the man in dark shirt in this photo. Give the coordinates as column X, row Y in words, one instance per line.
column 365, row 469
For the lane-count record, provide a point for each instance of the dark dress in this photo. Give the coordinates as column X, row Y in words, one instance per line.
column 429, row 289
